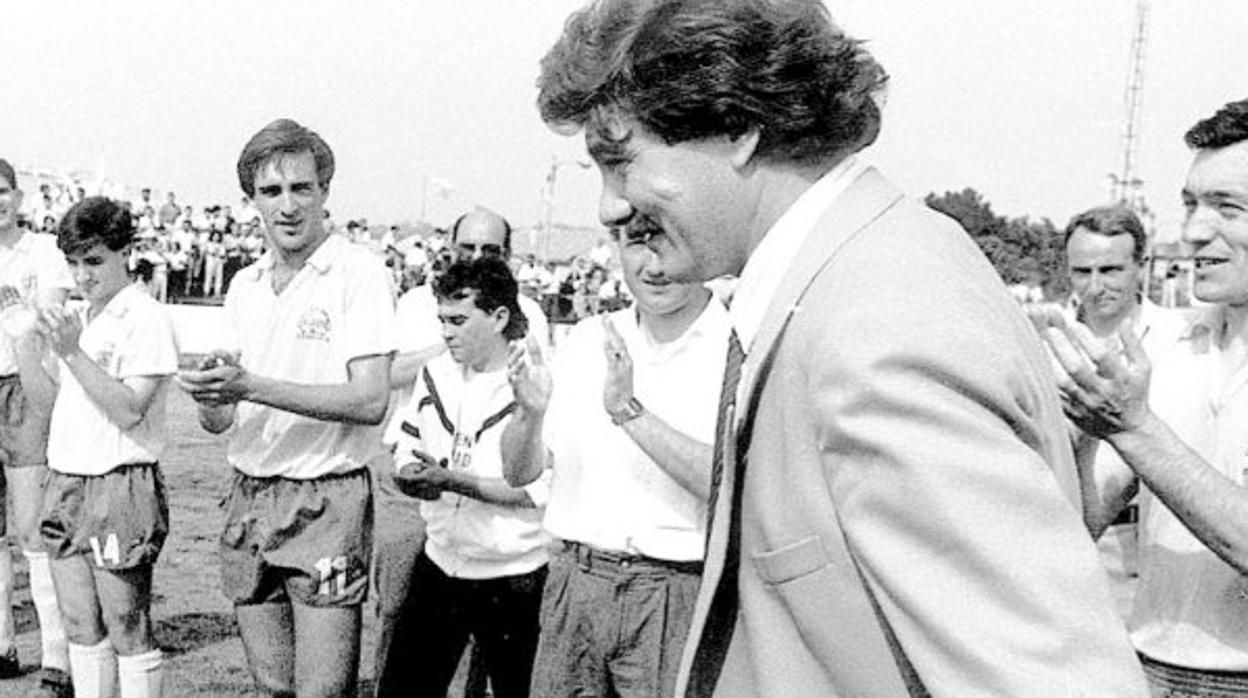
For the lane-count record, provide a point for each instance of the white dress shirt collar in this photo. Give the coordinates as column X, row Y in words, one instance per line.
column 774, row 255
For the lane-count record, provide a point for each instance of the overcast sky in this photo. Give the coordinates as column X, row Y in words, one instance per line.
column 1022, row 100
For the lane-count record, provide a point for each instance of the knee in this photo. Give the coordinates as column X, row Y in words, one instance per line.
column 82, row 631
column 28, row 536
column 129, row 630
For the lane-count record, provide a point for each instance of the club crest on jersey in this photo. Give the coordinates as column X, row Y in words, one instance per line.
column 314, row 325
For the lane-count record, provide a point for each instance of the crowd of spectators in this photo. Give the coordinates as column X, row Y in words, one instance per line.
column 586, row 284
column 188, row 254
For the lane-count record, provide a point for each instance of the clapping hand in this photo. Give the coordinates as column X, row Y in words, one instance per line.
column 1104, row 384
column 217, row 379
column 61, row 330
column 617, row 389
column 424, row 478
column 529, row 376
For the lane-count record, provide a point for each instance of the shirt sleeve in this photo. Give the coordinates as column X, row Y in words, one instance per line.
column 53, row 269
column 368, row 320
column 416, row 320
column 404, row 433
column 539, row 489
column 152, row 348
column 229, row 336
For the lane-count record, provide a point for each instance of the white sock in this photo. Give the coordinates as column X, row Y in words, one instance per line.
column 140, row 675
column 51, row 630
column 8, row 630
column 94, row 670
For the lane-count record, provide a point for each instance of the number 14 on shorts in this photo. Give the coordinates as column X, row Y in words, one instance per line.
column 333, row 571
column 110, row 554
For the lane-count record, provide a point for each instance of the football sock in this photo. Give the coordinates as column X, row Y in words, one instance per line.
column 51, row 630
column 93, row 669
column 8, row 631
column 141, row 674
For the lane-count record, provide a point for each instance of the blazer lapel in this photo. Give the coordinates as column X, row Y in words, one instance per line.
column 862, row 202
column 866, row 198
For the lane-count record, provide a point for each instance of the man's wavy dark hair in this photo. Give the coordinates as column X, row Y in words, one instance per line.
column 1227, row 127
column 693, row 69
column 283, row 137
column 96, row 220
column 488, row 281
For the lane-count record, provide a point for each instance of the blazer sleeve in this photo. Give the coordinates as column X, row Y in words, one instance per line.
column 942, row 447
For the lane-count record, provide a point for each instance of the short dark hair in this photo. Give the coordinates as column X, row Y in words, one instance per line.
column 506, row 231
column 488, row 281
column 1226, row 127
column 1115, row 219
column 693, row 69
column 6, row 171
column 96, row 220
column 281, row 137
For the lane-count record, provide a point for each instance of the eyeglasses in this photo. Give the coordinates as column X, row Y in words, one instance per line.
column 489, row 249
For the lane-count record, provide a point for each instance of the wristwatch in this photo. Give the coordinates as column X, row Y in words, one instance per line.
column 630, row 411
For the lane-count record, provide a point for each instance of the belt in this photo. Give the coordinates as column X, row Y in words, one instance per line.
column 589, row 557
column 1129, row 515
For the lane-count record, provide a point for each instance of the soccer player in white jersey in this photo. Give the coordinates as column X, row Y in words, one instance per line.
column 33, row 274
column 105, row 517
column 302, row 385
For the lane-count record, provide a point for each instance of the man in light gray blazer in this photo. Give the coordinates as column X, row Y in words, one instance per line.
column 897, row 507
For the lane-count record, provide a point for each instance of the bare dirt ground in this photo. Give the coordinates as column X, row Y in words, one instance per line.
column 193, row 622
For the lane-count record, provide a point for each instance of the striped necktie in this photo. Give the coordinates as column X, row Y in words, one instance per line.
column 724, row 423
column 722, row 615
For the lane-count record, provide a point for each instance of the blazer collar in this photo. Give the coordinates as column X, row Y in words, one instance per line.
column 866, row 198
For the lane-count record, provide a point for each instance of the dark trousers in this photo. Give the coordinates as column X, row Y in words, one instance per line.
column 1169, row 681
column 442, row 612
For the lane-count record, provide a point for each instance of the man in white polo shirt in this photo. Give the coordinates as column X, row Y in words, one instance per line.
column 33, row 274
column 628, row 431
column 481, row 570
column 1176, row 418
column 303, row 384
column 1106, row 258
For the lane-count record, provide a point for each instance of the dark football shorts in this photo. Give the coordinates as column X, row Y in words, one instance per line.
column 302, row 541
column 23, row 430
column 118, row 520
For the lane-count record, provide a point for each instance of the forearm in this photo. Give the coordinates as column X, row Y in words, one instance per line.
column 121, row 404
column 37, row 382
column 524, row 454
column 1106, row 485
column 406, row 365
column 362, row 402
column 1213, row 507
column 684, row 459
column 491, row 490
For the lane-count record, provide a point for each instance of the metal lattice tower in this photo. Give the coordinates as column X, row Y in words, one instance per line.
column 1128, row 188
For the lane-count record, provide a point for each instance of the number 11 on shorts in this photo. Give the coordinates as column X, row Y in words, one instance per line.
column 111, row 552
column 333, row 571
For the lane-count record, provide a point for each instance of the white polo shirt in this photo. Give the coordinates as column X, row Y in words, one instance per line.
column 459, row 415
column 1191, row 607
column 33, row 264
column 606, row 491
column 337, row 308
column 132, row 336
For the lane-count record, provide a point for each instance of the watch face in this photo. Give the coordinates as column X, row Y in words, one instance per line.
column 630, row 411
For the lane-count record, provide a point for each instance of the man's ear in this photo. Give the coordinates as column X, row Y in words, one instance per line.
column 502, row 318
column 744, row 147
